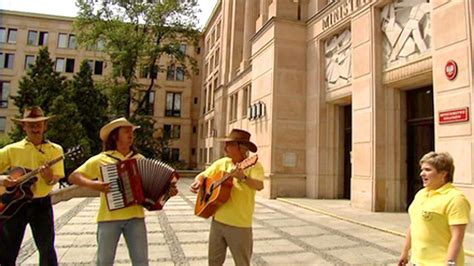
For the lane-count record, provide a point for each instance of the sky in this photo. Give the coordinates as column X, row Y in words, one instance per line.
column 68, row 7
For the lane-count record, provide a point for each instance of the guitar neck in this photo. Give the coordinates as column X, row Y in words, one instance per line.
column 37, row 170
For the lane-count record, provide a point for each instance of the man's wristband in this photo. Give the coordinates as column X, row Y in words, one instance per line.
column 451, row 262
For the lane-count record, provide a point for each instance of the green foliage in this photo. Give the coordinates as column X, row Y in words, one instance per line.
column 146, row 139
column 5, row 140
column 40, row 86
column 138, row 34
column 91, row 104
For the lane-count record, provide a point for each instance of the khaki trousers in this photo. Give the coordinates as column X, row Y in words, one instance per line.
column 239, row 240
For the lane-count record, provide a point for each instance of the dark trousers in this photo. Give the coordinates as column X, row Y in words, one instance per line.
column 39, row 214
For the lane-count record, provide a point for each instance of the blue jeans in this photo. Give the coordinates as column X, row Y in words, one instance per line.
column 134, row 232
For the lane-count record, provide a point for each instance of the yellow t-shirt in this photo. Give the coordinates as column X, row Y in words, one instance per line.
column 238, row 210
column 24, row 154
column 91, row 169
column 431, row 214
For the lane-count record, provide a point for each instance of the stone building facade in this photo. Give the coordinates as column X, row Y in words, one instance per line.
column 342, row 97
column 174, row 97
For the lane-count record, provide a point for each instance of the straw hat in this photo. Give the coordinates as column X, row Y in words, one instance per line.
column 32, row 114
column 119, row 122
column 242, row 137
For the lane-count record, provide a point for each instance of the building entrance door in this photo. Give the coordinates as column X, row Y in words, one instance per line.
column 347, row 150
column 420, row 135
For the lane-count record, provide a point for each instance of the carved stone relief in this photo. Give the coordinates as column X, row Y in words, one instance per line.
column 407, row 30
column 338, row 59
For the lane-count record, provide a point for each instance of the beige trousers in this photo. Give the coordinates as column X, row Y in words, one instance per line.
column 239, row 240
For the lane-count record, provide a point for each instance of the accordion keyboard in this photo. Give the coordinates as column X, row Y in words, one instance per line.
column 114, row 197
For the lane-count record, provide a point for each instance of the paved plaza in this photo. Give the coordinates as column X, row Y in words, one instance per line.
column 285, row 233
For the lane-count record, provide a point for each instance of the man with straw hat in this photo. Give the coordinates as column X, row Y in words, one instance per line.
column 232, row 223
column 31, row 153
column 117, row 139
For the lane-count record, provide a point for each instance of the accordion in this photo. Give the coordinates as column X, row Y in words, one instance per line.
column 138, row 181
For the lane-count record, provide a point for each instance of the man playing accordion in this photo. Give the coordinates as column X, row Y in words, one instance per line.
column 117, row 137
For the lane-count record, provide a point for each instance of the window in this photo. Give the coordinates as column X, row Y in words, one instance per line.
column 12, row 36
column 182, row 48
column 5, row 93
column 59, row 65
column 29, row 60
column 175, row 73
column 6, row 60
column 170, row 154
column 2, row 124
column 179, row 73
column 173, row 104
column 62, row 40
column 233, row 100
column 69, row 65
column 3, row 35
column 151, row 102
column 172, row 131
column 174, row 154
column 98, row 67
column 72, row 42
column 43, row 38
column 216, row 59
column 67, row 41
column 246, row 101
column 170, row 72
column 31, row 39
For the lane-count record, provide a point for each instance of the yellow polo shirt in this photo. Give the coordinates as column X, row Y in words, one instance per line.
column 431, row 214
column 238, row 210
column 24, row 154
column 91, row 169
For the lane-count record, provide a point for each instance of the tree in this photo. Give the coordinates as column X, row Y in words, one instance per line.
column 136, row 34
column 91, row 105
column 40, row 86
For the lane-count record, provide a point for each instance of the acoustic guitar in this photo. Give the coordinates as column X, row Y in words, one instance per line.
column 215, row 189
column 15, row 197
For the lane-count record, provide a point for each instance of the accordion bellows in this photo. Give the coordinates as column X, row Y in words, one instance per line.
column 138, row 181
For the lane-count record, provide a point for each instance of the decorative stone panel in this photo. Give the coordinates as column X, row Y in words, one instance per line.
column 337, row 51
column 406, row 26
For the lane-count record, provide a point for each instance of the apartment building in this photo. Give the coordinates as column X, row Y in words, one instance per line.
column 342, row 97
column 174, row 96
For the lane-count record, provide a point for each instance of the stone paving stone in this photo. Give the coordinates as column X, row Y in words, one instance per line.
column 192, row 236
column 271, row 216
column 86, row 240
column 328, row 241
column 264, row 234
column 191, row 226
column 87, row 254
column 195, row 250
column 274, row 246
column 362, row 255
column 305, row 258
column 159, row 252
column 156, row 237
column 64, row 240
column 286, row 222
column 303, row 230
column 77, row 228
column 184, row 218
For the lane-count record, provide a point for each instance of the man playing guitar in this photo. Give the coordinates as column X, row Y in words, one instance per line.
column 232, row 222
column 31, row 153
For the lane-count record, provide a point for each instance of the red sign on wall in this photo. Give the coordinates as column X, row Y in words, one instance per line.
column 453, row 116
column 451, row 69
